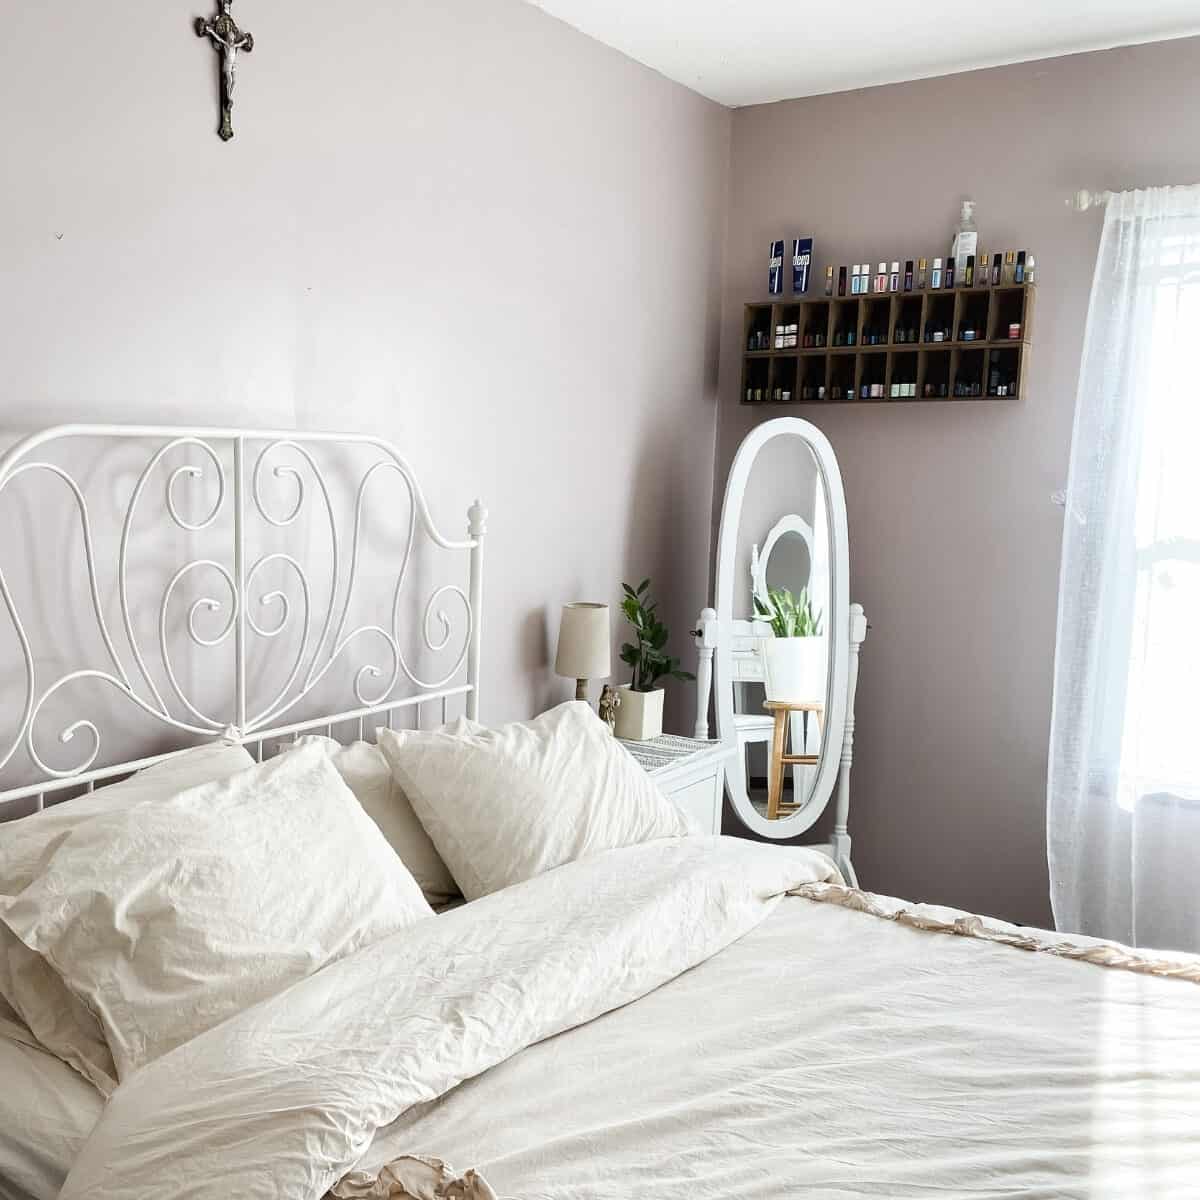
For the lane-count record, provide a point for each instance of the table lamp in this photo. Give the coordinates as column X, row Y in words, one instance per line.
column 584, row 645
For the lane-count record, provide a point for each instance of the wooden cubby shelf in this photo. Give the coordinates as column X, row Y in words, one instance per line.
column 881, row 347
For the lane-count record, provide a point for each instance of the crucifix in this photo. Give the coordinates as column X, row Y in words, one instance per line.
column 227, row 39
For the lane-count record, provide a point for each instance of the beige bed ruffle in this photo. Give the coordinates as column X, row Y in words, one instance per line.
column 1103, row 954
column 413, row 1177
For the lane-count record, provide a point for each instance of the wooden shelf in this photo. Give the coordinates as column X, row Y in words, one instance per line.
column 836, row 374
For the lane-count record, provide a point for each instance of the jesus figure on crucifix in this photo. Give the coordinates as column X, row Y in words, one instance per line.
column 227, row 39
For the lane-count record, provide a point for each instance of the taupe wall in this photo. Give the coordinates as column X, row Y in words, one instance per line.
column 457, row 223
column 954, row 542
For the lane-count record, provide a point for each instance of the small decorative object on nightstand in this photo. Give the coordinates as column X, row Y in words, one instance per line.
column 690, row 771
column 584, row 645
column 610, row 701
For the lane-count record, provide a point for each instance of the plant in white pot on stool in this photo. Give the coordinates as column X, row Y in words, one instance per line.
column 640, row 714
column 795, row 659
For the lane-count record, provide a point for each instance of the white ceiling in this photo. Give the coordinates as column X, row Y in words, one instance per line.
column 754, row 51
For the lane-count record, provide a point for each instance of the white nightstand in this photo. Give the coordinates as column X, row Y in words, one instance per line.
column 689, row 770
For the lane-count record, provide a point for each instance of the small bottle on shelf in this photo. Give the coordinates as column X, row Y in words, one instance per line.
column 922, row 268
column 908, row 275
column 1030, row 269
column 829, row 281
column 949, row 275
column 775, row 269
column 881, row 278
column 894, row 278
column 969, row 271
column 1010, row 267
column 1019, row 268
column 841, row 291
column 966, row 238
column 935, row 278
column 980, row 275
column 997, row 272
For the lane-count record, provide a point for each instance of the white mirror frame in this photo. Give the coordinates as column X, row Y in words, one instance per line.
column 791, row 523
column 838, row 623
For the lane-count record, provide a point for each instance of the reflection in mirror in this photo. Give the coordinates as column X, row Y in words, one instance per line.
column 786, row 596
column 780, row 631
column 783, row 625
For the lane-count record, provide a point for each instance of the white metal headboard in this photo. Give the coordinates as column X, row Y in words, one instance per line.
column 224, row 476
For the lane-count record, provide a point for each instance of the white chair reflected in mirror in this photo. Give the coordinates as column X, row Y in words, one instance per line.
column 791, row 558
column 797, row 551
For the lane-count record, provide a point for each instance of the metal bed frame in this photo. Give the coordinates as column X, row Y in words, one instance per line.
column 229, row 469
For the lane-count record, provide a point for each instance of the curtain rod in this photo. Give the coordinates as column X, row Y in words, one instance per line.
column 1082, row 200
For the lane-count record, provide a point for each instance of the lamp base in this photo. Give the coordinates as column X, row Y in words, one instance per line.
column 581, row 689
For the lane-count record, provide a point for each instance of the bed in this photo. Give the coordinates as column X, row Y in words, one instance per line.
column 659, row 1013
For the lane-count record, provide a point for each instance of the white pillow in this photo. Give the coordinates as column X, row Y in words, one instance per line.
column 46, row 1114
column 368, row 776
column 172, row 916
column 504, row 805
column 56, row 1018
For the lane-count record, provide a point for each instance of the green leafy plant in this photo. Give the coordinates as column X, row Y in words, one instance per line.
column 788, row 615
column 648, row 655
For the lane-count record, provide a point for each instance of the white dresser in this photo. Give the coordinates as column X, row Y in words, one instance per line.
column 689, row 770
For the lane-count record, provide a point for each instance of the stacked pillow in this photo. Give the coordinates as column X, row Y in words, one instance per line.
column 169, row 917
column 367, row 774
column 31, row 990
column 503, row 805
column 136, row 918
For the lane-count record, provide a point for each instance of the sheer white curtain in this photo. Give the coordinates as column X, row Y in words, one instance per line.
column 1124, row 783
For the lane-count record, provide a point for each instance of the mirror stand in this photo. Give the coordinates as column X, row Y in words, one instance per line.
column 779, row 649
column 706, row 635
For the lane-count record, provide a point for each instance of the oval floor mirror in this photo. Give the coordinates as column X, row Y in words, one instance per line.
column 779, row 650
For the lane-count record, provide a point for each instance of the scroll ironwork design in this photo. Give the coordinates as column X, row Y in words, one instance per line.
column 244, row 597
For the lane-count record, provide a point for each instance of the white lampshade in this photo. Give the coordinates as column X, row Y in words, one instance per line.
column 583, row 642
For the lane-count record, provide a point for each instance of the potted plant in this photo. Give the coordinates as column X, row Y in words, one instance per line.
column 639, row 716
column 795, row 659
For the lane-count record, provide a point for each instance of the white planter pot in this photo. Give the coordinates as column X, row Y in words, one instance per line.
column 794, row 669
column 639, row 716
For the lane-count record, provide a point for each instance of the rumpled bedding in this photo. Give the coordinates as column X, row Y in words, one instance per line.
column 841, row 1046
column 285, row 1098
column 835, row 1055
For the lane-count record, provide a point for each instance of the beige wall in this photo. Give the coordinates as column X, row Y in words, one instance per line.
column 954, row 543
column 459, row 224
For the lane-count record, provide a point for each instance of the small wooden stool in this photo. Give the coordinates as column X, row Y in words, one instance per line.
column 783, row 710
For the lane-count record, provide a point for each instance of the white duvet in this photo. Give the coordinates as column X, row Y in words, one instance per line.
column 812, row 1050
column 283, row 1099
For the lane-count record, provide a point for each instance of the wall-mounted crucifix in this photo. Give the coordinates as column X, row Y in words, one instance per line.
column 227, row 39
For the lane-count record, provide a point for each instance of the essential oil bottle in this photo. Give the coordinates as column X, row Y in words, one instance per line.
column 1019, row 268
column 935, row 279
column 922, row 268
column 775, row 269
